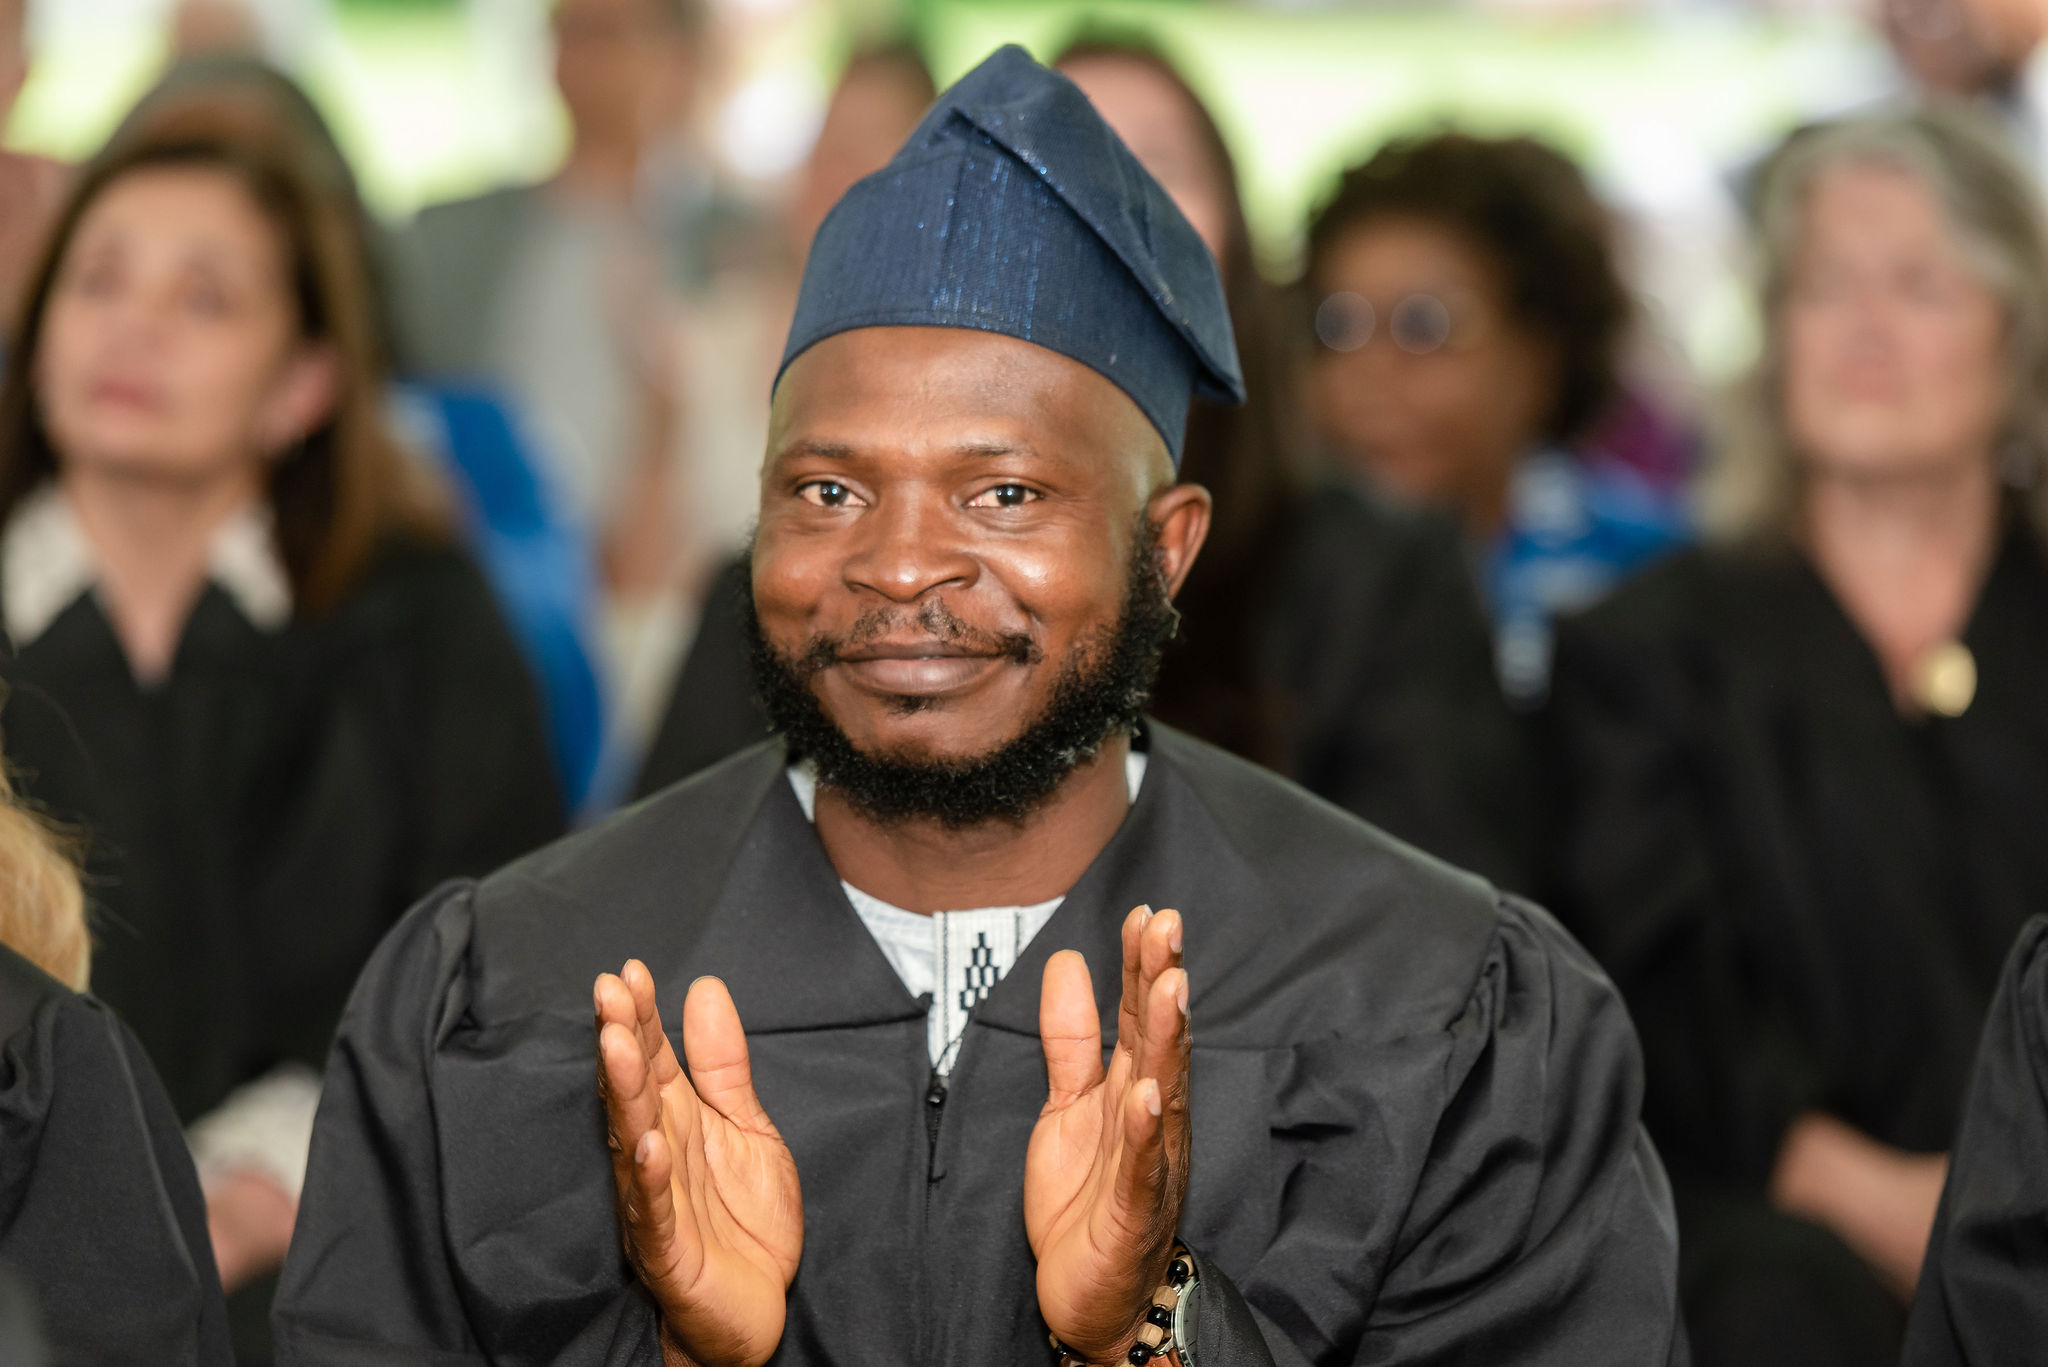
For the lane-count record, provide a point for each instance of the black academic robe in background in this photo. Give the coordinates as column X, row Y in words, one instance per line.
column 101, row 1220
column 1805, row 898
column 1983, row 1299
column 1414, row 1100
column 257, row 821
column 1371, row 655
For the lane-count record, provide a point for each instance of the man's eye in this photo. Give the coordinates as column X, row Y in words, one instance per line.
column 826, row 493
column 1004, row 496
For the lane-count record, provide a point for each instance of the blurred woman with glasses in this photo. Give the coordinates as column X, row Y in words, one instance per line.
column 1803, row 772
column 1467, row 318
column 244, row 656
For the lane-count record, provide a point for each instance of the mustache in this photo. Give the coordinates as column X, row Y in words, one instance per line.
column 933, row 617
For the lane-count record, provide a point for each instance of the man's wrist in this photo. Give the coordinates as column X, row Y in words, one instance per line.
column 1162, row 1322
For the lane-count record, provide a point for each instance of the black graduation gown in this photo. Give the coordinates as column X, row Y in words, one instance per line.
column 1414, row 1100
column 101, row 1220
column 257, row 821
column 1983, row 1298
column 1805, row 898
column 1371, row 641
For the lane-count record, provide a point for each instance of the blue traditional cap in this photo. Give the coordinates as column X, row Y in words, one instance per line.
column 1015, row 209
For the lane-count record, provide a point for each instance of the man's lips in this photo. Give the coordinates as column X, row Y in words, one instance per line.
column 922, row 668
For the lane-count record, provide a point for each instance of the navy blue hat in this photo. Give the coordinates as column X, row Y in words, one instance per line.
column 1013, row 208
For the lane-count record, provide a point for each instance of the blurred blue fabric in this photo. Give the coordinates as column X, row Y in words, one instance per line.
column 1577, row 525
column 538, row 559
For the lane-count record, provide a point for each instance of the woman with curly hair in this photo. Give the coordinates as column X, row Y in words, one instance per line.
column 1468, row 317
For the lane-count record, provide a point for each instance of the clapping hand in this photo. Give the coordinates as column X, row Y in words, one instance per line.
column 1107, row 1167
column 708, row 1201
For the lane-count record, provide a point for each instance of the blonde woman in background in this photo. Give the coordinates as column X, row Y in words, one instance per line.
column 101, row 1222
column 1803, row 773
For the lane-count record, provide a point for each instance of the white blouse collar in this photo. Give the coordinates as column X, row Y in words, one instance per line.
column 46, row 562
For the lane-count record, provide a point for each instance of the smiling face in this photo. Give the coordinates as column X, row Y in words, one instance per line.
column 948, row 524
column 1893, row 345
column 170, row 346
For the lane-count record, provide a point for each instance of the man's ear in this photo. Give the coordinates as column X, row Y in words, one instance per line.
column 302, row 398
column 1180, row 512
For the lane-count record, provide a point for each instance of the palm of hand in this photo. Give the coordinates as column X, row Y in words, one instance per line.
column 1106, row 1170
column 710, row 1208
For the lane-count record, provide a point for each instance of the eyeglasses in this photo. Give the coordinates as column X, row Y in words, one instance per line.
column 1419, row 324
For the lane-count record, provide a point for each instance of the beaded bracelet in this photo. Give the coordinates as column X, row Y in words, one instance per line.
column 1159, row 1316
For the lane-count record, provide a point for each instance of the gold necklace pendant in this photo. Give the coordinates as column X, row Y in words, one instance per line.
column 1945, row 679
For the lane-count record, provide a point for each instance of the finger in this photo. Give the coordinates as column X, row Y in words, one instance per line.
column 654, row 1040
column 632, row 1103
column 661, row 1242
column 1069, row 1028
column 1127, row 1006
column 1163, row 1052
column 716, row 1045
column 1158, row 951
column 1141, row 1169
column 612, row 1002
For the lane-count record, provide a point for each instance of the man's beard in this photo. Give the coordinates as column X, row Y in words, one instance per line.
column 1100, row 692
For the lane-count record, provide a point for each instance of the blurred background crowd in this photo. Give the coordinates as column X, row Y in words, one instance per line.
column 1640, row 500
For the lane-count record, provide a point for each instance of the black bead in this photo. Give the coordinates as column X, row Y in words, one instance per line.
column 1178, row 1272
column 1160, row 1316
column 1140, row 1354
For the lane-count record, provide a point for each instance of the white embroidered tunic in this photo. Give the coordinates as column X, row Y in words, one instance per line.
column 956, row 956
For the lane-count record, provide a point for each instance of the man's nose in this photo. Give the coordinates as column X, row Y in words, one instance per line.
column 910, row 546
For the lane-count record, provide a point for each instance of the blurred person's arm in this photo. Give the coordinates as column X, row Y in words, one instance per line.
column 251, row 1155
column 1878, row 1200
column 646, row 549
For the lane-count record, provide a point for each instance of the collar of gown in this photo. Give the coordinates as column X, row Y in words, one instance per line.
column 46, row 563
column 797, row 956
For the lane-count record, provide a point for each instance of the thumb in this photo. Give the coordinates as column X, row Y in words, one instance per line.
column 1069, row 1028
column 715, row 1047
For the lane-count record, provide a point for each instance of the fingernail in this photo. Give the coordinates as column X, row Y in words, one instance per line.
column 1174, row 939
column 1180, row 994
column 1152, row 1098
column 644, row 1150
column 1144, row 915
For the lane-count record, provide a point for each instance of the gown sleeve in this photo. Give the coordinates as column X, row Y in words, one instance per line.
column 367, row 1248
column 1635, row 875
column 369, row 1281
column 101, row 1219
column 1540, row 1230
column 1984, row 1289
